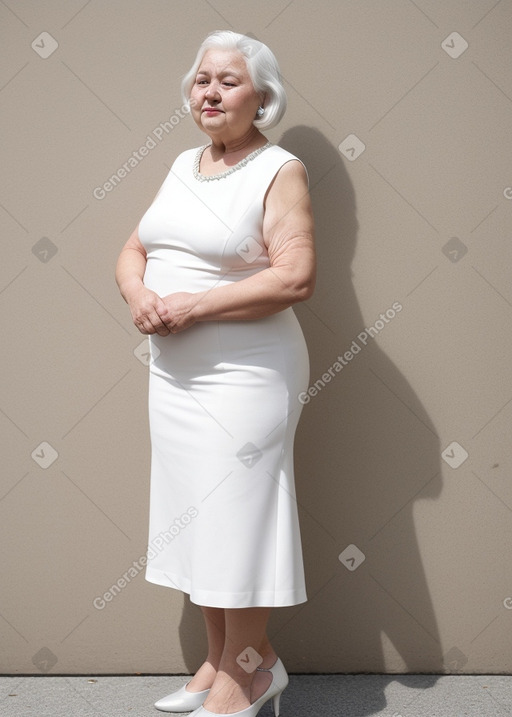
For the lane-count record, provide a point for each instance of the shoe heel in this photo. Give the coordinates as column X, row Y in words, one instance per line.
column 275, row 703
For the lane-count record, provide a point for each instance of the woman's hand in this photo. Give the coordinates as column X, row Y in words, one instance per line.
column 148, row 311
column 179, row 311
column 147, row 308
column 152, row 314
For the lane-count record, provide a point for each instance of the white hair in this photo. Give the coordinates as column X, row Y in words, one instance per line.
column 262, row 68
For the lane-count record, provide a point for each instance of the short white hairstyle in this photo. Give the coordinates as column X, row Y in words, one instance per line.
column 261, row 65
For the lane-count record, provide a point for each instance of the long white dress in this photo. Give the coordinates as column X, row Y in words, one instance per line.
column 223, row 399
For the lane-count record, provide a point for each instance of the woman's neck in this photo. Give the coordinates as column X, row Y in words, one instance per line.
column 249, row 141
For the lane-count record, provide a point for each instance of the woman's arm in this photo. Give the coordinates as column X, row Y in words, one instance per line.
column 146, row 307
column 288, row 233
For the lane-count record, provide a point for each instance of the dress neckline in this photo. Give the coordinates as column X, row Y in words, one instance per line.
column 227, row 172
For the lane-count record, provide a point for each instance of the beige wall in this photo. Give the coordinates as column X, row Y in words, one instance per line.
column 374, row 448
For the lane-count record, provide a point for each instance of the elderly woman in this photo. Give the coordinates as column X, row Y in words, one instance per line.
column 211, row 273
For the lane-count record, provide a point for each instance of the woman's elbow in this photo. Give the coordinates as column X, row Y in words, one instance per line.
column 307, row 290
column 303, row 287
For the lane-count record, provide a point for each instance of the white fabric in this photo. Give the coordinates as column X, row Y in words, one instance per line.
column 223, row 404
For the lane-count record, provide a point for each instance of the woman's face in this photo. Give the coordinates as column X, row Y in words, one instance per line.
column 223, row 98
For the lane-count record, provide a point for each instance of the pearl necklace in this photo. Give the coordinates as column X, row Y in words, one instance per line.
column 211, row 177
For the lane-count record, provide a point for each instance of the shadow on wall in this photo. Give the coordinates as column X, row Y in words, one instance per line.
column 365, row 452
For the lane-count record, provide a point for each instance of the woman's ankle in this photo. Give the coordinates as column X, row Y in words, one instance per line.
column 203, row 678
column 268, row 655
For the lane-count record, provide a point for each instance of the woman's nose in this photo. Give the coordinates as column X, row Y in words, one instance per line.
column 212, row 91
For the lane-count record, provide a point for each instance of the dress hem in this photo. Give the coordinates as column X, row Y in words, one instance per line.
column 214, row 598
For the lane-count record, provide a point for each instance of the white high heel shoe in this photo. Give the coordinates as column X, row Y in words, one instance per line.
column 182, row 701
column 274, row 692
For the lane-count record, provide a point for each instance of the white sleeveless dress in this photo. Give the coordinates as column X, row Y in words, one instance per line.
column 223, row 399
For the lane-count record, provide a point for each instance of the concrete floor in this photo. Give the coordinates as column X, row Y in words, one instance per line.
column 306, row 696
